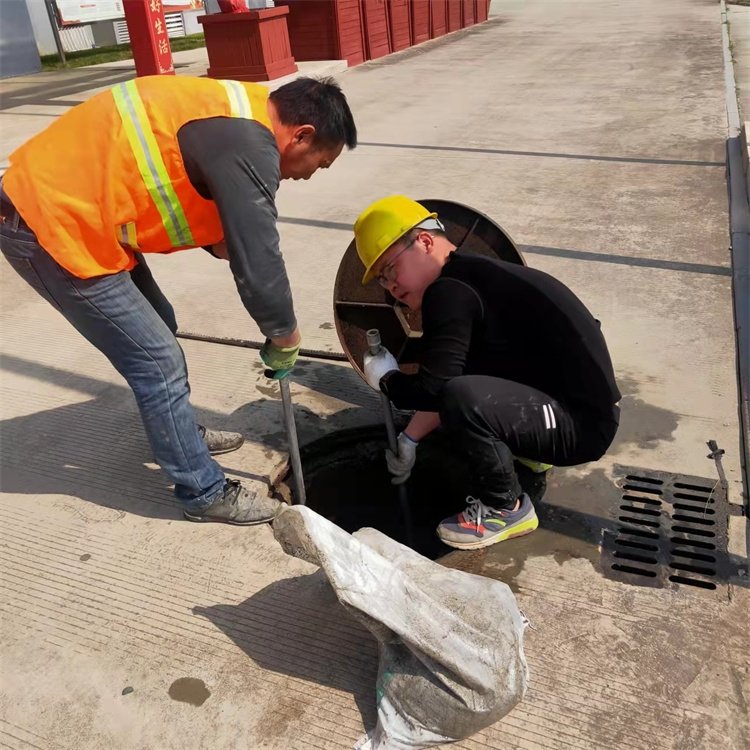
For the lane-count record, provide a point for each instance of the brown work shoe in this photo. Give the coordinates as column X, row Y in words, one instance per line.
column 237, row 505
column 219, row 441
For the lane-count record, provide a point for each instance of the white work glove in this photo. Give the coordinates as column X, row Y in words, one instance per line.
column 377, row 365
column 402, row 464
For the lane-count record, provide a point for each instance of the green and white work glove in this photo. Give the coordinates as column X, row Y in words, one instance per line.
column 279, row 359
column 400, row 466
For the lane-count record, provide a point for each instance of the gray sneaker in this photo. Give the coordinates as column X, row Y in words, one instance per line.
column 219, row 441
column 237, row 505
column 479, row 525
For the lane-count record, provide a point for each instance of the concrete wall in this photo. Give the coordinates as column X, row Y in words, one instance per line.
column 104, row 33
column 190, row 19
column 18, row 50
column 45, row 40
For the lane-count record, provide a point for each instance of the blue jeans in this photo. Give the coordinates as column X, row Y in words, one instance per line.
column 126, row 316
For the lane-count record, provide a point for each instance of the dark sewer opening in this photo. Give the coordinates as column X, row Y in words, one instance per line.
column 347, row 482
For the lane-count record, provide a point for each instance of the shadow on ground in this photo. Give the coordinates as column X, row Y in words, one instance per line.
column 97, row 449
column 314, row 638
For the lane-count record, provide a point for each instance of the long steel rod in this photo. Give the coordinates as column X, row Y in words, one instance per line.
column 291, row 433
column 257, row 345
column 403, row 494
column 390, row 427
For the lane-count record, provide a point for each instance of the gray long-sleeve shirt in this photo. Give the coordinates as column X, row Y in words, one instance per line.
column 235, row 163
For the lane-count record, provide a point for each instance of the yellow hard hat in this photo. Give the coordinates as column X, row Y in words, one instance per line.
column 383, row 223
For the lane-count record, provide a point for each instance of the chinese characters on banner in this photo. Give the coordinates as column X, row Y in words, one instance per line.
column 148, row 37
column 163, row 52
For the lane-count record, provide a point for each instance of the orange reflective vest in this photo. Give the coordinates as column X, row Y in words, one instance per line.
column 107, row 179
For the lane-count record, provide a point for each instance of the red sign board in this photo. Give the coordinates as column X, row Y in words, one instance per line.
column 148, row 37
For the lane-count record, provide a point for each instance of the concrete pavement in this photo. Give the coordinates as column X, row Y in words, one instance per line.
column 594, row 133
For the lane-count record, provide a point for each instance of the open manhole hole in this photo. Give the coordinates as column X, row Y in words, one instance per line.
column 347, row 482
column 669, row 530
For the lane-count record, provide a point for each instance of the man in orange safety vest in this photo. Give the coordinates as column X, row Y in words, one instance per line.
column 155, row 165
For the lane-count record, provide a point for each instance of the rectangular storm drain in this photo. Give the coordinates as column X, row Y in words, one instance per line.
column 668, row 530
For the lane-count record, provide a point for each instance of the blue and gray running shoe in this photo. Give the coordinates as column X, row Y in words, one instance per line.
column 479, row 525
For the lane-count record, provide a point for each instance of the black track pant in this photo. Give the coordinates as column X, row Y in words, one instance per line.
column 491, row 420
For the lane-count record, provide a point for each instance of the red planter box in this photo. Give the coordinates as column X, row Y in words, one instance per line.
column 326, row 30
column 481, row 10
column 438, row 18
column 251, row 46
column 454, row 14
column 420, row 21
column 399, row 24
column 467, row 13
column 377, row 36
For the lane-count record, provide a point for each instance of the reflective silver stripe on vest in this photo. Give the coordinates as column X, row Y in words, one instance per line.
column 238, row 99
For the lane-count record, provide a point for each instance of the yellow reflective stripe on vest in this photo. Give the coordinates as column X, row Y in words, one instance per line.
column 151, row 164
column 238, row 99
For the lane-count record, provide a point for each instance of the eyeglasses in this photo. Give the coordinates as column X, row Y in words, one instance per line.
column 387, row 274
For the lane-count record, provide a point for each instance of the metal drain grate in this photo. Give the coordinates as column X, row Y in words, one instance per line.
column 669, row 529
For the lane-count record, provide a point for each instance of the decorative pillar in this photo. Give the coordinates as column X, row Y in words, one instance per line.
column 148, row 37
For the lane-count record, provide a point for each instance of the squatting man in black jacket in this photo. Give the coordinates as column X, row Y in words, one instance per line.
column 512, row 364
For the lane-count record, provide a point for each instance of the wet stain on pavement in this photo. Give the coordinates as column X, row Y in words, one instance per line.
column 189, row 690
column 274, row 441
column 506, row 561
column 573, row 515
column 641, row 423
column 276, row 720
